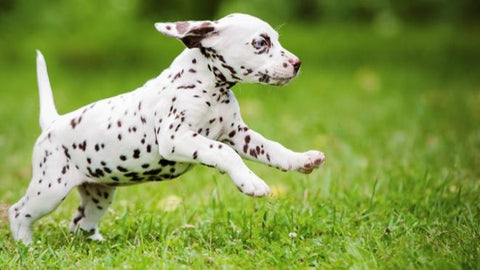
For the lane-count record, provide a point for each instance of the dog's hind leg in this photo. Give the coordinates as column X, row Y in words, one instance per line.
column 96, row 199
column 53, row 178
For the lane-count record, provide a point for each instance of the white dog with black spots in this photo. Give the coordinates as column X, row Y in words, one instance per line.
column 187, row 115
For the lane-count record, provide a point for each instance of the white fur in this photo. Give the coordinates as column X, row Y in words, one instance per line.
column 48, row 112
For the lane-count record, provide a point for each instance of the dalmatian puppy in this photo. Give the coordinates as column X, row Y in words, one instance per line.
column 187, row 115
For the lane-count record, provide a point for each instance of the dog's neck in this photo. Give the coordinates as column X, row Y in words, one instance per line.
column 205, row 69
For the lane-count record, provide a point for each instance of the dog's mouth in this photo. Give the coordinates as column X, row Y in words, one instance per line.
column 280, row 80
column 267, row 79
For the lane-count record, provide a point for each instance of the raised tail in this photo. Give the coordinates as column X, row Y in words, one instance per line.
column 48, row 112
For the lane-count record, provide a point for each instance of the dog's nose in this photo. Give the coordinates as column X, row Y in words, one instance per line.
column 296, row 64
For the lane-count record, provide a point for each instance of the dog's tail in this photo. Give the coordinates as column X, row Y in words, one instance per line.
column 48, row 112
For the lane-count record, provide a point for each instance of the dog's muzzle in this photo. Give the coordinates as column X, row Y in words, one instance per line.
column 296, row 65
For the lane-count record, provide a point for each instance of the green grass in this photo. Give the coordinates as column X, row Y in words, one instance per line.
column 398, row 118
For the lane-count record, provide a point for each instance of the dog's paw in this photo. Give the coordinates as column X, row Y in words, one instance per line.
column 20, row 228
column 96, row 236
column 92, row 234
column 309, row 161
column 252, row 185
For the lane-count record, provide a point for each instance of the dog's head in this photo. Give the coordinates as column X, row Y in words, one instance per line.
column 240, row 44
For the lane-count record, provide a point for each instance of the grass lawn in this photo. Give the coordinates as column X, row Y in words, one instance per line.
column 398, row 117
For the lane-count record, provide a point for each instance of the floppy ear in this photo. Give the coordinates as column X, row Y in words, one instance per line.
column 191, row 33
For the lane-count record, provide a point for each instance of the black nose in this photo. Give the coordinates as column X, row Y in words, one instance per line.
column 296, row 64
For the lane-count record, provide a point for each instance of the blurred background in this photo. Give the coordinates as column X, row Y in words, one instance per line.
column 389, row 90
column 86, row 32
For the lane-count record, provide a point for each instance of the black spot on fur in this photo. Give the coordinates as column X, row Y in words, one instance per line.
column 190, row 86
column 73, row 123
column 122, row 169
column 166, row 162
column 83, row 145
column 153, row 172
column 136, row 153
column 65, row 151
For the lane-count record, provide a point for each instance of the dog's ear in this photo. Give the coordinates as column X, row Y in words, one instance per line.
column 191, row 33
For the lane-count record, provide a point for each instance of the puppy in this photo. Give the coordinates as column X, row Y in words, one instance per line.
column 187, row 115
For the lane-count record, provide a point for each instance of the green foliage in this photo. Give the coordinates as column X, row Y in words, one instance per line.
column 396, row 109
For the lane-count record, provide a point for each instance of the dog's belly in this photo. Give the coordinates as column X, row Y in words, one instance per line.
column 125, row 162
column 157, row 170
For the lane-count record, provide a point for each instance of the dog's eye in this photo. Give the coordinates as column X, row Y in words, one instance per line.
column 261, row 42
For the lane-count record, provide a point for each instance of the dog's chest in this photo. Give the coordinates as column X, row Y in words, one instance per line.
column 201, row 111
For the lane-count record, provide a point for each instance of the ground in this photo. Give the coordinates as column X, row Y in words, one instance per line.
column 397, row 115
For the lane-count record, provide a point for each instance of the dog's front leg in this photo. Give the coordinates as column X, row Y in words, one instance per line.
column 191, row 147
column 253, row 145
